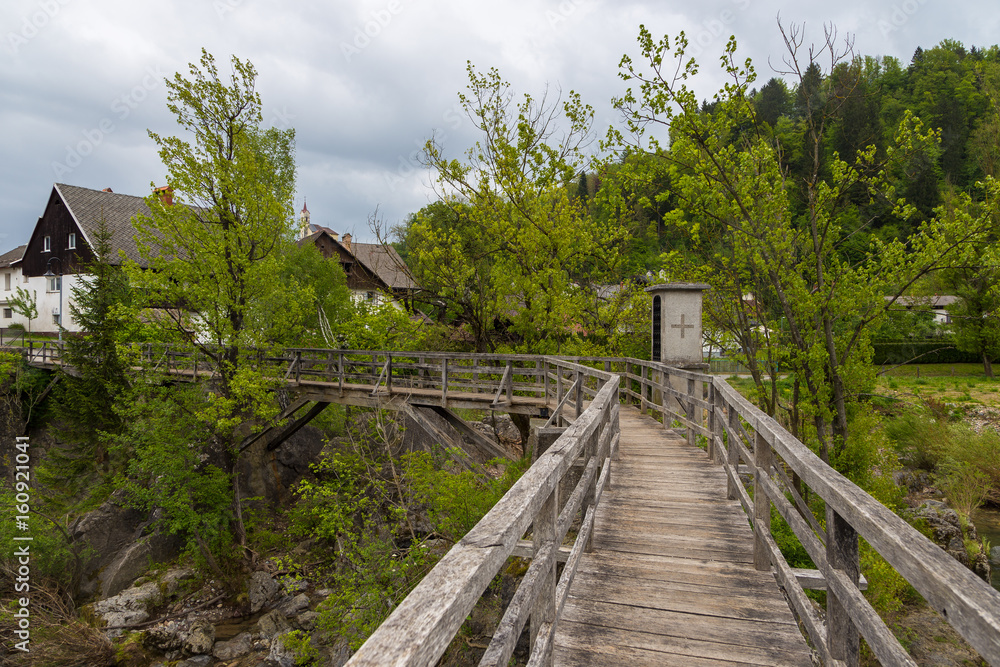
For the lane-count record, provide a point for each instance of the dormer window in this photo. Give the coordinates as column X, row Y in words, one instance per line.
column 71, row 241
column 47, row 244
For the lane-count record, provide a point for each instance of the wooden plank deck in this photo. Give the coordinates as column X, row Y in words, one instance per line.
column 671, row 579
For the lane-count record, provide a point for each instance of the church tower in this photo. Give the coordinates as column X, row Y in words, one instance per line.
column 305, row 229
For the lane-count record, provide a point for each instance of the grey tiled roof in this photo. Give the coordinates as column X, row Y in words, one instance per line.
column 386, row 263
column 89, row 206
column 11, row 256
column 936, row 301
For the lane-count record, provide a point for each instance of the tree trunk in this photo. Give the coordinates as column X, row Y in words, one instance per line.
column 987, row 366
column 523, row 424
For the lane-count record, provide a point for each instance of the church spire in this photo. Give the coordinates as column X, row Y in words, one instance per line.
column 305, row 229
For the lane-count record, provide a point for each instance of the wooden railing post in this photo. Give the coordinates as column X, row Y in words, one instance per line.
column 664, row 397
column 444, row 382
column 544, row 532
column 388, row 372
column 340, row 371
column 298, row 366
column 689, row 411
column 643, row 388
column 559, row 395
column 510, row 382
column 579, row 394
column 841, row 554
column 628, row 382
column 590, row 451
column 714, row 428
column 540, row 371
column 761, row 503
column 733, row 449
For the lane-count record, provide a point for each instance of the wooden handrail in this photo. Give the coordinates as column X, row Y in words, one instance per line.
column 739, row 434
column 422, row 626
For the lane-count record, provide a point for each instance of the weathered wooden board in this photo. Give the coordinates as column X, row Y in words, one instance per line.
column 677, row 597
column 671, row 578
column 759, row 649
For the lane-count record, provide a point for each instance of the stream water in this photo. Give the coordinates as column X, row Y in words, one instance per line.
column 987, row 522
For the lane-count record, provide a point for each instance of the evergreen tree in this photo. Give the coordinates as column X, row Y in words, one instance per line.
column 773, row 102
column 581, row 187
column 94, row 374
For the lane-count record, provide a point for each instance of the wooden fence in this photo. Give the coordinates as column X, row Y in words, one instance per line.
column 743, row 439
column 420, row 629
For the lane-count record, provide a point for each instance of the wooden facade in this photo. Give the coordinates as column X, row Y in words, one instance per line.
column 359, row 277
column 56, row 224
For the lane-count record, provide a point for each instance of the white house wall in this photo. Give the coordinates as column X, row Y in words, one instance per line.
column 48, row 303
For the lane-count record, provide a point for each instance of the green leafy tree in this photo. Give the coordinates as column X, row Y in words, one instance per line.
column 168, row 469
column 24, row 303
column 378, row 326
column 782, row 284
column 518, row 214
column 984, row 148
column 304, row 268
column 453, row 260
column 774, row 101
column 215, row 255
column 945, row 95
column 975, row 279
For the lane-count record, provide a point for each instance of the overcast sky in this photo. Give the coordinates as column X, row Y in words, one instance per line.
column 364, row 83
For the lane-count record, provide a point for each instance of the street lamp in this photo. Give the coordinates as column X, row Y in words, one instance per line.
column 49, row 274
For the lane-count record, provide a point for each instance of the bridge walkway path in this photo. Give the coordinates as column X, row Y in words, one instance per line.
column 671, row 579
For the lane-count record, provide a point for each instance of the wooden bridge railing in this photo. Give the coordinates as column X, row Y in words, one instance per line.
column 585, row 392
column 381, row 371
column 42, row 353
column 420, row 629
column 743, row 440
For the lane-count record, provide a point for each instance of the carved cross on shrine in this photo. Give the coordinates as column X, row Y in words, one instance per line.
column 682, row 326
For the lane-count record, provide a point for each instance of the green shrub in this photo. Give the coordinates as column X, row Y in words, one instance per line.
column 364, row 503
column 919, row 438
column 53, row 563
column 978, row 458
column 887, row 590
column 456, row 501
column 301, row 645
column 868, row 459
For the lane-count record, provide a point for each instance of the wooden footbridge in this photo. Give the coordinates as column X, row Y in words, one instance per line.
column 647, row 520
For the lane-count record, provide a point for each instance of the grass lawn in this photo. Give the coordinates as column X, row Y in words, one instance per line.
column 935, row 370
column 949, row 383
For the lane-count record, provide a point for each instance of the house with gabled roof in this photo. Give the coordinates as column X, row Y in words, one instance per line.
column 374, row 272
column 62, row 241
column 61, row 244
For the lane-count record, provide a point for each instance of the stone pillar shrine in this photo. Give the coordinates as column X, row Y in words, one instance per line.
column 677, row 324
column 676, row 328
